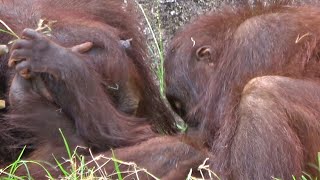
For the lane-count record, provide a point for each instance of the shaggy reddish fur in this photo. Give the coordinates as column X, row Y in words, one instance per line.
column 256, row 127
column 104, row 98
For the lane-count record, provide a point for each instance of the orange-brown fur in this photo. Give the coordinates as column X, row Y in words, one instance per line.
column 86, row 103
column 269, row 127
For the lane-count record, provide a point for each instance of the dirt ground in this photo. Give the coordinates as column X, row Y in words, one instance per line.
column 175, row 13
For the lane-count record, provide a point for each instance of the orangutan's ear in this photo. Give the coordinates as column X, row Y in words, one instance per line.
column 126, row 44
column 204, row 54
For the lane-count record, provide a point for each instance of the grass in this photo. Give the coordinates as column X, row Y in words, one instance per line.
column 116, row 166
column 157, row 43
column 156, row 48
column 82, row 172
column 80, row 168
column 8, row 30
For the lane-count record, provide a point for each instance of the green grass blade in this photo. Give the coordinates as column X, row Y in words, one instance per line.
column 65, row 172
column 9, row 30
column 66, row 144
column 116, row 166
column 159, row 46
column 39, row 164
column 16, row 162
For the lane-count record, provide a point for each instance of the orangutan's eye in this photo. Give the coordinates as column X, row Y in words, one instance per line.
column 177, row 106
